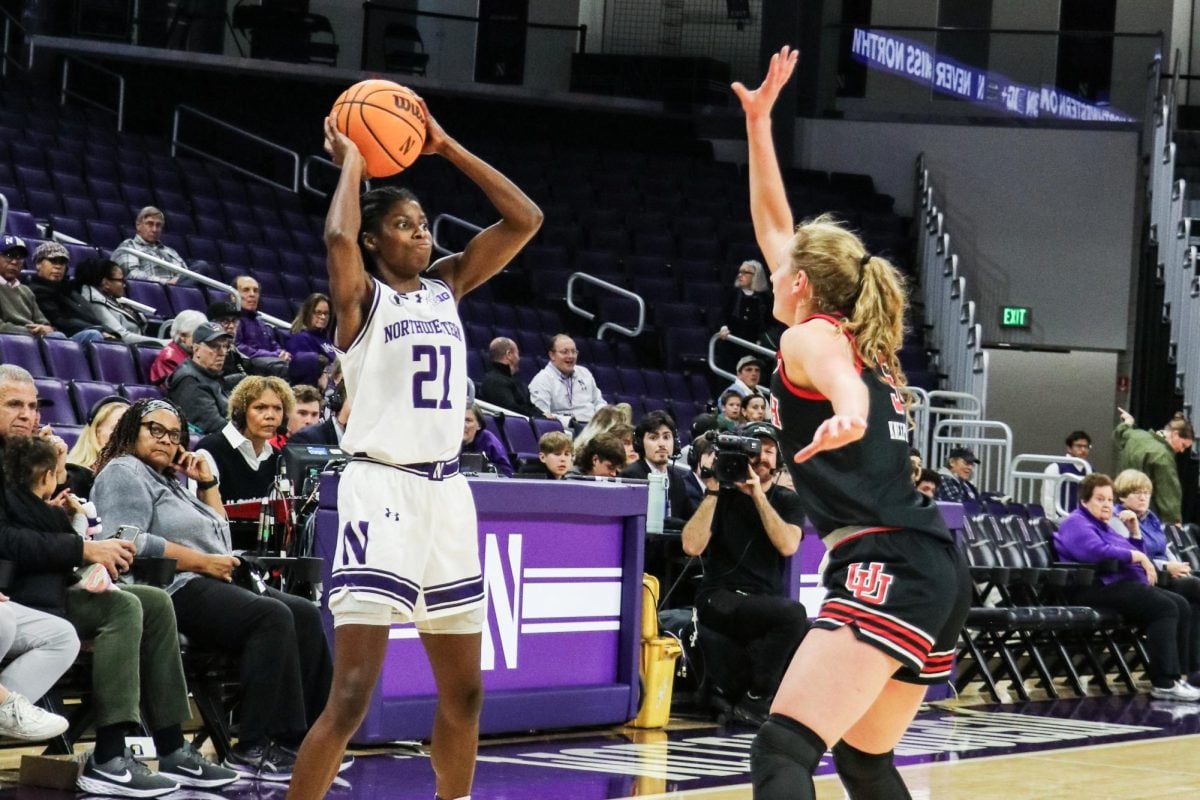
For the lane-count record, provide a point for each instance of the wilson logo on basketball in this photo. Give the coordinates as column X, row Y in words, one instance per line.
column 869, row 583
column 408, row 105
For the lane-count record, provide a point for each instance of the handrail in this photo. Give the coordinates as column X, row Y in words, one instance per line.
column 612, row 287
column 198, row 278
column 449, row 218
column 65, row 91
column 10, row 22
column 1023, row 467
column 494, row 410
column 3, row 213
column 740, row 342
column 176, row 144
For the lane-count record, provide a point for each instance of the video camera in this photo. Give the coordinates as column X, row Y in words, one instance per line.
column 733, row 454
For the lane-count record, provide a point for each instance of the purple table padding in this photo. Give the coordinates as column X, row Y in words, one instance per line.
column 563, row 571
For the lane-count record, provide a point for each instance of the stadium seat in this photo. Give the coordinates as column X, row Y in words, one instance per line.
column 55, row 402
column 112, row 362
column 65, row 359
column 22, row 350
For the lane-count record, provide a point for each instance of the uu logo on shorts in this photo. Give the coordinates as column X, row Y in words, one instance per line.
column 869, row 582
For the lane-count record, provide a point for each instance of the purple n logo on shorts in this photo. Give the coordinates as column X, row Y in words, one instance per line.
column 355, row 542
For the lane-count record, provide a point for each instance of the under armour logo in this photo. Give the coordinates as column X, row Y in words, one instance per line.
column 869, row 583
column 398, row 299
column 389, row 514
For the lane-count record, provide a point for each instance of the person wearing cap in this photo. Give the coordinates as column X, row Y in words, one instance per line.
column 149, row 225
column 237, row 366
column 956, row 483
column 745, row 533
column 64, row 308
column 19, row 311
column 749, row 373
column 196, row 386
column 102, row 285
column 178, row 349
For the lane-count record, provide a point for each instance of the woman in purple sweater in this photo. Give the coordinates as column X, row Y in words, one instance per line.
column 478, row 440
column 309, row 342
column 1086, row 536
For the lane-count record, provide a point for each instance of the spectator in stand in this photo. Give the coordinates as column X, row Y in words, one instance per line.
column 178, row 349
column 1086, row 536
column 604, row 420
column 749, row 373
column 277, row 638
column 309, row 345
column 602, row 457
column 654, row 441
column 731, row 411
column 225, row 313
column 56, row 297
column 328, row 432
column 196, row 386
column 477, row 439
column 754, row 409
column 240, row 454
column 1060, row 499
column 928, row 482
column 956, row 483
column 700, row 459
column 554, row 457
column 563, row 388
column 19, row 311
column 81, row 461
column 102, row 286
column 624, row 432
column 701, row 425
column 747, row 309
column 501, row 386
column 1154, row 452
column 147, row 240
column 1133, row 491
column 135, row 624
column 255, row 339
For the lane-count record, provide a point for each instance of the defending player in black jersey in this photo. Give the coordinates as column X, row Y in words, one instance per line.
column 898, row 590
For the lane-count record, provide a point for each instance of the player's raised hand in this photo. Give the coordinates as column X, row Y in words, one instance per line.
column 837, row 431
column 435, row 134
column 339, row 145
column 758, row 102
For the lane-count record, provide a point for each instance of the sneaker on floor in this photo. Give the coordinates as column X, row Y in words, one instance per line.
column 1179, row 691
column 264, row 762
column 123, row 776
column 21, row 719
column 1184, row 686
column 189, row 768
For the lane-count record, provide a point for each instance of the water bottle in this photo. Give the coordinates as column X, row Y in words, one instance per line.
column 656, row 504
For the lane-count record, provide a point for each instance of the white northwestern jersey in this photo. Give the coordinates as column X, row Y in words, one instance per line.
column 406, row 374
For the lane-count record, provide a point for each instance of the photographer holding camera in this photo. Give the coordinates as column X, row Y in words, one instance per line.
column 744, row 529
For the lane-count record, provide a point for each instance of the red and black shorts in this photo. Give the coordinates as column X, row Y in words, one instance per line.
column 904, row 592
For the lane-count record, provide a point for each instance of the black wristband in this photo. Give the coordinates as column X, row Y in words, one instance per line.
column 204, row 486
column 711, row 493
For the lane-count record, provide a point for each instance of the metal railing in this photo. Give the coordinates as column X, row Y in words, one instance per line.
column 177, row 145
column 918, row 411
column 611, row 287
column 1028, row 481
column 65, row 90
column 449, row 219
column 3, row 213
column 740, row 342
column 6, row 35
column 496, row 411
column 990, row 440
column 199, row 278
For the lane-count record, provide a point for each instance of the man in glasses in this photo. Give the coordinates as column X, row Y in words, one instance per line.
column 1061, row 498
column 196, row 386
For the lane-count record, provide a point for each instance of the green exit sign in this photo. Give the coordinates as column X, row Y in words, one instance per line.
column 1015, row 317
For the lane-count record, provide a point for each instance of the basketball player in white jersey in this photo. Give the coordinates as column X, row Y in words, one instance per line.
column 407, row 544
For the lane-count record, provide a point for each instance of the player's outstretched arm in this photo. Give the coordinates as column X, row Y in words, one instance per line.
column 492, row 248
column 349, row 284
column 773, row 225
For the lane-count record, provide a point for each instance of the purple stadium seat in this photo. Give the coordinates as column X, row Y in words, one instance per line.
column 631, row 380
column 276, row 307
column 22, row 223
column 542, row 426
column 264, row 259
column 181, row 297
column 111, row 210
column 69, row 433
column 518, row 434
column 295, row 286
column 55, row 402
column 103, row 234
column 475, row 365
column 152, row 294
column 268, row 280
column 656, row 383
column 702, row 389
column 65, row 359
column 248, row 232
column 600, row 263
column 22, row 350
column 79, row 208
column 85, row 394
column 685, row 346
column 233, row 252
column 139, row 391
column 144, row 355
column 112, row 362
column 678, row 389
column 607, row 378
column 202, row 248
column 212, row 227
column 43, row 203
column 492, row 425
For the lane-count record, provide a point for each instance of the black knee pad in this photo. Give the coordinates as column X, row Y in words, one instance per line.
column 783, row 758
column 865, row 775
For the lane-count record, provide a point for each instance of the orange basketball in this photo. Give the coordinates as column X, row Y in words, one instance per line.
column 387, row 123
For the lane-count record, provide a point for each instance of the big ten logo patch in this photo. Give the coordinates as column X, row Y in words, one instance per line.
column 869, row 583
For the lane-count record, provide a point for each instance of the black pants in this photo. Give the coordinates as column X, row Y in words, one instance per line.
column 769, row 627
column 1165, row 616
column 282, row 653
column 1187, row 587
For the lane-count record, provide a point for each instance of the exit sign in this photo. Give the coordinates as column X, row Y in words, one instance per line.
column 1015, row 317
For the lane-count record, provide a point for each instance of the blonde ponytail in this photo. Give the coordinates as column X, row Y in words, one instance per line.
column 877, row 319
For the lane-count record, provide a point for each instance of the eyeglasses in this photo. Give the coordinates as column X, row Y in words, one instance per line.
column 115, row 278
column 158, row 432
column 320, row 313
column 223, row 347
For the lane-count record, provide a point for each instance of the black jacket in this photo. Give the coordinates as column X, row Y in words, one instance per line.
column 201, row 394
column 65, row 309
column 677, row 493
column 501, row 388
column 320, row 433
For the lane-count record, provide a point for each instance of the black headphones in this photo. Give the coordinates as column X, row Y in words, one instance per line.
column 99, row 405
column 336, row 399
column 238, row 417
column 652, row 422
